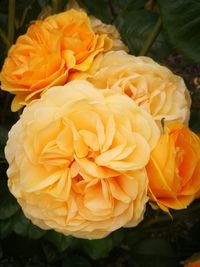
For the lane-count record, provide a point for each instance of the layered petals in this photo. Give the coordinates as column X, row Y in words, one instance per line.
column 49, row 52
column 152, row 86
column 77, row 164
column 174, row 168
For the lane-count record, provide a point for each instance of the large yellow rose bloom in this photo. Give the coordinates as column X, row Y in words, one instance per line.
column 77, row 160
column 174, row 168
column 152, row 86
column 48, row 53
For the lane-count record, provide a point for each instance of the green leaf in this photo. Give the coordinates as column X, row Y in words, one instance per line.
column 153, row 253
column 8, row 204
column 97, row 249
column 60, row 241
column 181, row 21
column 118, row 7
column 5, row 228
column 24, row 227
column 117, row 237
column 74, row 260
column 23, row 249
column 99, row 9
column 49, row 251
column 129, row 4
column 135, row 27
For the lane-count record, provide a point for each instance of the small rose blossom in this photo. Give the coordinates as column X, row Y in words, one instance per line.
column 77, row 160
column 174, row 168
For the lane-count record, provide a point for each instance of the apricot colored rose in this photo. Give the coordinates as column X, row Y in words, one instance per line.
column 150, row 85
column 48, row 53
column 77, row 162
column 174, row 168
column 101, row 28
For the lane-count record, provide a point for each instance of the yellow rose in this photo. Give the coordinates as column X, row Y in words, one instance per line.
column 48, row 53
column 174, row 168
column 77, row 160
column 152, row 86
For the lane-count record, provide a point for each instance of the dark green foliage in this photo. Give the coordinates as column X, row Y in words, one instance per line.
column 153, row 253
column 97, row 249
column 126, row 5
column 75, row 260
column 135, row 27
column 181, row 22
column 157, row 241
column 100, row 9
column 195, row 112
column 60, row 241
column 22, row 226
column 8, row 204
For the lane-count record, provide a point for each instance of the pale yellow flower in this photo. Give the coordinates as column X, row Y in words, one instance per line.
column 77, row 160
column 152, row 86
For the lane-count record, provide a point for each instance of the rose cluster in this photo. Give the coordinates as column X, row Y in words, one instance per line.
column 102, row 132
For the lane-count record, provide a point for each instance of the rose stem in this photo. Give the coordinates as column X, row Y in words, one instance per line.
column 4, row 38
column 151, row 38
